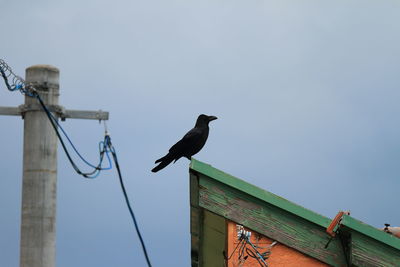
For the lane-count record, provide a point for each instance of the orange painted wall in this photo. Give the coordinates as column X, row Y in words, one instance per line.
column 281, row 255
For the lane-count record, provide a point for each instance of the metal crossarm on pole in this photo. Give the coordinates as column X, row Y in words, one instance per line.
column 62, row 113
column 38, row 215
column 10, row 111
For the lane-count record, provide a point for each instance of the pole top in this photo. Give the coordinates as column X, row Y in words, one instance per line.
column 43, row 75
column 43, row 67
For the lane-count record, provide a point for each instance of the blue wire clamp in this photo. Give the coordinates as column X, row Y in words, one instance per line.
column 18, row 86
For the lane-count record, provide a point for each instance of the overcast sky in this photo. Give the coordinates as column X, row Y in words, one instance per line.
column 307, row 95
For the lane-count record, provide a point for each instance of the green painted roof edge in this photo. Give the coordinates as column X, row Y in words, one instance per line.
column 259, row 193
column 291, row 207
column 370, row 231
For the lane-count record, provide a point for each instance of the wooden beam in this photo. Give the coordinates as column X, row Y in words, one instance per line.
column 271, row 221
column 357, row 243
column 259, row 193
column 214, row 240
column 208, row 232
column 379, row 235
column 368, row 252
column 195, row 221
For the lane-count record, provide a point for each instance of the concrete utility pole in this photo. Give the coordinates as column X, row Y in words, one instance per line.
column 39, row 188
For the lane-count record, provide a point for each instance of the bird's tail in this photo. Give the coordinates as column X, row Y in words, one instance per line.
column 164, row 161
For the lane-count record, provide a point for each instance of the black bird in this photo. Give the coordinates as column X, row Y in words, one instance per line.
column 189, row 145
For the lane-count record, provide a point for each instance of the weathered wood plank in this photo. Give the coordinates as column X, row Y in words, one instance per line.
column 214, row 240
column 259, row 193
column 195, row 221
column 269, row 220
column 368, row 230
column 368, row 252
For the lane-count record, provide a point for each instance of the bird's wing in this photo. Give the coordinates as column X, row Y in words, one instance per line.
column 187, row 140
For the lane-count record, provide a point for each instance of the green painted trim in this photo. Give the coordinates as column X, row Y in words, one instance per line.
column 366, row 251
column 370, row 231
column 271, row 215
column 269, row 220
column 207, row 231
column 259, row 193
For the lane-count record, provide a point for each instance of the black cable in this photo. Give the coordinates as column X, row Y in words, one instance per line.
column 114, row 154
column 253, row 254
column 17, row 82
column 5, row 79
column 107, row 146
column 98, row 169
column 76, row 168
column 241, row 250
column 234, row 250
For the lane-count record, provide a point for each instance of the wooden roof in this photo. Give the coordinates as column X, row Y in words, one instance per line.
column 215, row 193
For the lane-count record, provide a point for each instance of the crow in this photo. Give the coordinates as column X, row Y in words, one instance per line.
column 189, row 145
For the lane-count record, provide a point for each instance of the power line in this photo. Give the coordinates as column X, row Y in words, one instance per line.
column 104, row 150
column 114, row 154
column 253, row 251
column 17, row 83
column 105, row 146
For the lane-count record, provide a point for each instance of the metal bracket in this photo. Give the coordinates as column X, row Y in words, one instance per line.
column 333, row 227
column 59, row 110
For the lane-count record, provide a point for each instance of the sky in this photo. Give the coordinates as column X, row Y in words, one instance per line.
column 306, row 94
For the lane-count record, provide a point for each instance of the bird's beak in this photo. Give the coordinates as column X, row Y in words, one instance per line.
column 211, row 118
